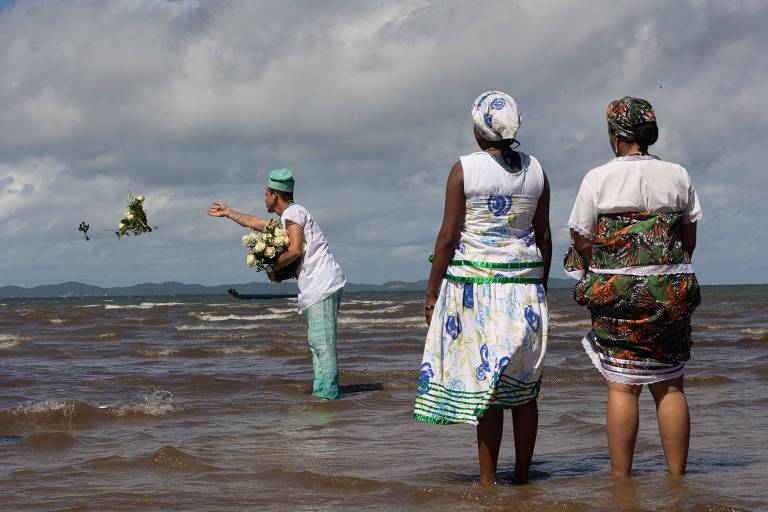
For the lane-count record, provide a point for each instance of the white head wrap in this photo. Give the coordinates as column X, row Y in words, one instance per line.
column 496, row 116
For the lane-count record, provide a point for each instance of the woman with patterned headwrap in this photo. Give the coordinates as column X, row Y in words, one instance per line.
column 633, row 230
column 486, row 305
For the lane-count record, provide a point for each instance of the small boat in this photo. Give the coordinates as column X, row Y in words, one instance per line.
column 260, row 296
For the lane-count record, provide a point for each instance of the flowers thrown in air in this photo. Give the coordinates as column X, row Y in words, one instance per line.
column 134, row 221
column 266, row 247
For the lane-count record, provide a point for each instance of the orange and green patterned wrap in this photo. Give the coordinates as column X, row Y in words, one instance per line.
column 641, row 323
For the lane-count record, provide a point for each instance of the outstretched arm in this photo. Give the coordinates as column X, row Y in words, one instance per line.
column 448, row 237
column 541, row 230
column 248, row 221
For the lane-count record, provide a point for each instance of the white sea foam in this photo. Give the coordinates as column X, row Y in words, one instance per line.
column 57, row 321
column 374, row 311
column 370, row 302
column 157, row 353
column 156, row 402
column 573, row 323
column 282, row 311
column 209, row 317
column 399, row 321
column 759, row 332
column 9, row 341
column 90, row 306
column 145, row 305
column 237, row 350
column 206, row 327
column 66, row 407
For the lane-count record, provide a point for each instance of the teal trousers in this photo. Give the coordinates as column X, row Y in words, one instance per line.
column 321, row 332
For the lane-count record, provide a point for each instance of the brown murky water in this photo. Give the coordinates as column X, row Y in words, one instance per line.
column 202, row 403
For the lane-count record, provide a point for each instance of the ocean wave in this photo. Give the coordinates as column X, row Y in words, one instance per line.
column 209, row 317
column 76, row 414
column 50, row 440
column 57, row 320
column 145, row 352
column 369, row 302
column 146, row 305
column 282, row 311
column 404, row 321
column 9, row 341
column 207, row 327
column 167, row 457
column 390, row 309
column 711, row 327
column 759, row 333
column 272, row 350
column 573, row 323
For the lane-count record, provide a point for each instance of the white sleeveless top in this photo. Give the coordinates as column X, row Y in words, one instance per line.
column 483, row 176
column 497, row 240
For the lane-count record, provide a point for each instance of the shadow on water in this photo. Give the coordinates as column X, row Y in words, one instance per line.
column 706, row 462
column 351, row 389
column 9, row 439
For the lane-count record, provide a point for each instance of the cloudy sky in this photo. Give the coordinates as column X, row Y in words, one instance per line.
column 188, row 102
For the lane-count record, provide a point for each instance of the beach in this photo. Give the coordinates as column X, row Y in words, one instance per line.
column 202, row 403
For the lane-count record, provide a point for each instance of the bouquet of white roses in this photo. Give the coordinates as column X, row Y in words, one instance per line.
column 264, row 249
column 135, row 218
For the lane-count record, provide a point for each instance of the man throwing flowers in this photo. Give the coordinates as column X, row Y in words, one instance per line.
column 321, row 280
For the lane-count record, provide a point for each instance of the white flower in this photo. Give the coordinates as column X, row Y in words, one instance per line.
column 281, row 232
column 250, row 260
column 284, row 241
column 259, row 247
column 270, row 252
column 140, row 199
column 121, row 226
column 246, row 239
column 129, row 216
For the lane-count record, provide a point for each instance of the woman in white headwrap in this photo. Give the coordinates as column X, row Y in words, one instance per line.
column 486, row 304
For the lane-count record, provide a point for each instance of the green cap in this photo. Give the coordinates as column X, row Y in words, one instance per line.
column 281, row 179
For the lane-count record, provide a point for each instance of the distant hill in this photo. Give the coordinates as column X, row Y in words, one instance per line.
column 75, row 289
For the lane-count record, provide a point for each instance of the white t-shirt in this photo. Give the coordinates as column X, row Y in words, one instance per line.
column 634, row 184
column 319, row 275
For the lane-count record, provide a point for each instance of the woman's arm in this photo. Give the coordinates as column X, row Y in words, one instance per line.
column 248, row 221
column 689, row 238
column 583, row 246
column 448, row 237
column 541, row 230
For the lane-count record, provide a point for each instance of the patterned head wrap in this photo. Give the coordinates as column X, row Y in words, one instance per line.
column 496, row 116
column 626, row 114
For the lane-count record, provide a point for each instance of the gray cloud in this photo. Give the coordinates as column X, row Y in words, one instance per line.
column 189, row 102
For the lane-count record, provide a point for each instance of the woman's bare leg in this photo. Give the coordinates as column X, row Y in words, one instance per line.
column 525, row 420
column 622, row 421
column 489, row 431
column 674, row 422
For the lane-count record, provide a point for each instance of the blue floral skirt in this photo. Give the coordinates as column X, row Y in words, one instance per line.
column 485, row 349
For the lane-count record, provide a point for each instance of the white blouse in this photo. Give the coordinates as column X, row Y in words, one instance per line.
column 634, row 184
